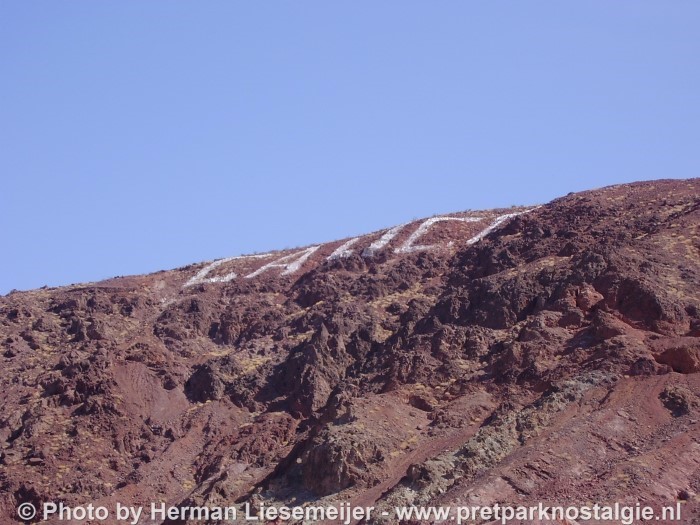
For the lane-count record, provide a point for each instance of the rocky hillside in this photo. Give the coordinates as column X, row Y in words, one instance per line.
column 516, row 356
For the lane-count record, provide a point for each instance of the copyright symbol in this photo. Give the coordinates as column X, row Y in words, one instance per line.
column 26, row 511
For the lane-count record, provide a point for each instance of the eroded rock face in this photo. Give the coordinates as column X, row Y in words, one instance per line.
column 555, row 359
column 682, row 354
column 335, row 461
column 680, row 400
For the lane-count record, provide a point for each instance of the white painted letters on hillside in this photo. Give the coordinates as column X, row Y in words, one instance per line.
column 495, row 224
column 382, row 241
column 293, row 262
column 201, row 276
column 343, row 250
column 410, row 244
column 290, row 263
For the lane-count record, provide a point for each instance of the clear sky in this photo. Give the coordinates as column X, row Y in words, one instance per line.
column 137, row 136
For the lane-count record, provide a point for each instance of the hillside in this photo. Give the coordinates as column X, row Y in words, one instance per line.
column 515, row 356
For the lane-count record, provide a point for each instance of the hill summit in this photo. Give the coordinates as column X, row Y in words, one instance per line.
column 522, row 355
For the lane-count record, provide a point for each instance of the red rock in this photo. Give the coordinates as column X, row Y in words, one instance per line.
column 491, row 371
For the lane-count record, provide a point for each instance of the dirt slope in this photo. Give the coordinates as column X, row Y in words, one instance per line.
column 513, row 356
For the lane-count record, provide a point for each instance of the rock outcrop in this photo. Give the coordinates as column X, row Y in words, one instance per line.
column 555, row 356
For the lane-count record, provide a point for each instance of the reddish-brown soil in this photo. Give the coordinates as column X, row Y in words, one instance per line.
column 555, row 360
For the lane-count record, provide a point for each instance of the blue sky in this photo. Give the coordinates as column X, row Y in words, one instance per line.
column 138, row 136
